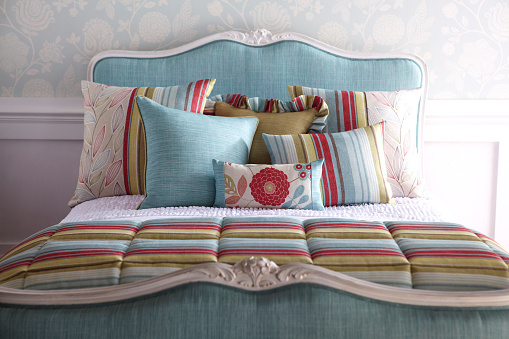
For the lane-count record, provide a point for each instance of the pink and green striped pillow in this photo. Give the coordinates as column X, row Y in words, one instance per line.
column 354, row 166
column 399, row 109
column 113, row 158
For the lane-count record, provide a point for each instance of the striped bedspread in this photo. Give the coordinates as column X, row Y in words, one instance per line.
column 421, row 255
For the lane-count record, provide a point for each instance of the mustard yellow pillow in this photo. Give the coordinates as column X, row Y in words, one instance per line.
column 269, row 123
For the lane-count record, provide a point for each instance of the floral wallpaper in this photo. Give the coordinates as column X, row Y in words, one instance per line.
column 45, row 45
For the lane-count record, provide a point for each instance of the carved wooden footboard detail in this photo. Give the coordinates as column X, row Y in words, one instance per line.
column 255, row 274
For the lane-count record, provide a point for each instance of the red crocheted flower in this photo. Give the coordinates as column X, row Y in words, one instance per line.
column 270, row 187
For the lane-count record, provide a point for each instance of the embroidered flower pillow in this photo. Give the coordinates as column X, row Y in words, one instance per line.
column 295, row 186
column 399, row 109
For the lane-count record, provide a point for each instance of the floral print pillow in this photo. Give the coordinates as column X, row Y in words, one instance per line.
column 295, row 186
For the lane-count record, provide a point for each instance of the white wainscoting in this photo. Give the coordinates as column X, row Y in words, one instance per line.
column 466, row 154
column 471, row 140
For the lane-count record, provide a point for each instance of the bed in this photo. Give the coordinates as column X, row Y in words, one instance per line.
column 172, row 235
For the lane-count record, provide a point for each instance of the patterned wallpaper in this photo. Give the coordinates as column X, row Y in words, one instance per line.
column 45, row 45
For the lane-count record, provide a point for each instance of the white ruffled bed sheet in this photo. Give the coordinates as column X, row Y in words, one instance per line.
column 124, row 207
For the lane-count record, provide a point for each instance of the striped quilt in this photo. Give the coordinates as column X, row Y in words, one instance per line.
column 420, row 255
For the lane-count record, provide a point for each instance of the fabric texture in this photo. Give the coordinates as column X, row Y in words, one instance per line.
column 270, row 123
column 361, row 249
column 399, row 109
column 354, row 166
column 295, row 186
column 235, row 100
column 433, row 256
column 299, row 311
column 113, row 157
column 263, row 71
column 180, row 150
column 431, row 248
column 261, row 105
column 263, row 227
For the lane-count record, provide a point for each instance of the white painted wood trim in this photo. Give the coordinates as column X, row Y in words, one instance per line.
column 256, row 274
column 445, row 120
column 476, row 121
column 41, row 118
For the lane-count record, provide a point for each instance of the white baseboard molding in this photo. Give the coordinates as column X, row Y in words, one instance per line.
column 62, row 119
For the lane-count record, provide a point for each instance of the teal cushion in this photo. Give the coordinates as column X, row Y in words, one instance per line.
column 180, row 149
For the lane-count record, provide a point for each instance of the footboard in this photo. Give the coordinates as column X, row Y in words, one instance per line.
column 254, row 298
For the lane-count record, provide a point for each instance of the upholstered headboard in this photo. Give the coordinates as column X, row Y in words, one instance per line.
column 260, row 64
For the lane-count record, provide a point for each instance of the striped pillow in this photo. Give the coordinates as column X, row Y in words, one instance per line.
column 354, row 166
column 400, row 109
column 235, row 100
column 113, row 159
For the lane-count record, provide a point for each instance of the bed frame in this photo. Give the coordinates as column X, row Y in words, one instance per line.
column 255, row 298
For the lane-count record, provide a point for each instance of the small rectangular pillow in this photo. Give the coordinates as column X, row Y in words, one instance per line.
column 400, row 109
column 354, row 167
column 270, row 123
column 180, row 149
column 113, row 157
column 295, row 186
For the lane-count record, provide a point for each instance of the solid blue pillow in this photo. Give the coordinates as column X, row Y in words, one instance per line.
column 180, row 149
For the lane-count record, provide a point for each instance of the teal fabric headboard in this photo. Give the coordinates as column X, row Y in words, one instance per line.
column 261, row 69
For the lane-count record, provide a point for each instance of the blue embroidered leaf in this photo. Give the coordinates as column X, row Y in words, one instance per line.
column 287, row 204
column 89, row 118
column 83, row 195
column 304, row 199
column 298, row 191
column 101, row 160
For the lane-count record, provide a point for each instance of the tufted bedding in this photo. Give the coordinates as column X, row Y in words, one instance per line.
column 408, row 254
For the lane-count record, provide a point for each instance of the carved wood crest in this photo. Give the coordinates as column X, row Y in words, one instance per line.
column 257, row 36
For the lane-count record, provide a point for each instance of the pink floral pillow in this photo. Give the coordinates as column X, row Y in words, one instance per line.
column 295, row 186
